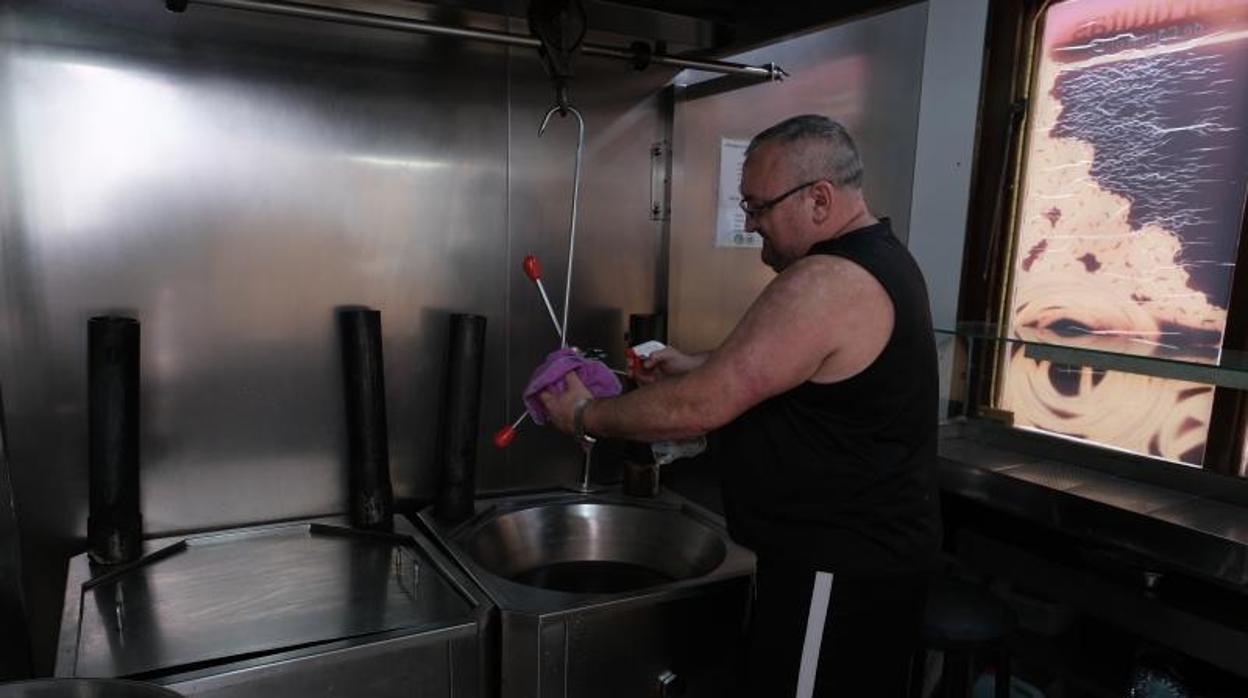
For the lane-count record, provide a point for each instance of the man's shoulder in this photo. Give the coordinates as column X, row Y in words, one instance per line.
column 824, row 270
column 822, row 261
column 819, row 282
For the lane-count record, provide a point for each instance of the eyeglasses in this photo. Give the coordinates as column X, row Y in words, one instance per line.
column 755, row 211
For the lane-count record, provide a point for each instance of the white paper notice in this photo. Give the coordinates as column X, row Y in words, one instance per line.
column 730, row 221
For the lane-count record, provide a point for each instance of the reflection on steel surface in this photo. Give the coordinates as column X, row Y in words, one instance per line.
column 1132, row 194
column 83, row 688
column 240, row 593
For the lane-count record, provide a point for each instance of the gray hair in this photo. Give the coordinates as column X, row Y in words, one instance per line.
column 826, row 152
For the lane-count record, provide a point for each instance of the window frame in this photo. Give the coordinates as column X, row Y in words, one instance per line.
column 1011, row 60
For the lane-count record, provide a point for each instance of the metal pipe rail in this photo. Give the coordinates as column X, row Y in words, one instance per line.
column 368, row 19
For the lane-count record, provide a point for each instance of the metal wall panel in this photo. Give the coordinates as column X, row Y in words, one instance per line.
column 948, row 123
column 865, row 73
column 231, row 178
column 952, row 66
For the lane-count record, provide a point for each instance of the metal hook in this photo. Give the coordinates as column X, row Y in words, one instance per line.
column 563, row 110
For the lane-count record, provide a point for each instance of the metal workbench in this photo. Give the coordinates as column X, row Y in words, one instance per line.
column 300, row 609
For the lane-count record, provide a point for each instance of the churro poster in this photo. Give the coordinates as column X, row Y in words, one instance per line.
column 1132, row 194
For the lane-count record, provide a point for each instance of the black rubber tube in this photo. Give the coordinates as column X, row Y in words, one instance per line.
column 114, row 523
column 643, row 328
column 461, row 417
column 364, row 389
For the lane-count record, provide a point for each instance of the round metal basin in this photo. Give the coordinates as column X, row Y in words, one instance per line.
column 595, row 548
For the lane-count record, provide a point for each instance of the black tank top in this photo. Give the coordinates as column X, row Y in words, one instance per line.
column 841, row 475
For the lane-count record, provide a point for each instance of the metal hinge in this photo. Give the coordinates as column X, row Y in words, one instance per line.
column 660, row 180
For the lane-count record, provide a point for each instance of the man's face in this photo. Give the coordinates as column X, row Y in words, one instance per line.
column 765, row 176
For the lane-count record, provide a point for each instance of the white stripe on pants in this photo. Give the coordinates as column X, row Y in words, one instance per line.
column 820, row 596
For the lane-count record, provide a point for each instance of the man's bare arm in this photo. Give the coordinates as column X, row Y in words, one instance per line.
column 798, row 322
column 668, row 362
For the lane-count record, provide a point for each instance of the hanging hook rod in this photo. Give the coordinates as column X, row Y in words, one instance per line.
column 369, row 19
column 576, row 196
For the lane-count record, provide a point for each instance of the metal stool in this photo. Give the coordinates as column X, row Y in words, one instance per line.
column 966, row 621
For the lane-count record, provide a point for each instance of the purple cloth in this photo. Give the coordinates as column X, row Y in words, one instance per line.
column 549, row 376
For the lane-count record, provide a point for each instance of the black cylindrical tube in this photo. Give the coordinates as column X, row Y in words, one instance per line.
column 643, row 328
column 372, row 497
column 114, row 524
column 461, row 416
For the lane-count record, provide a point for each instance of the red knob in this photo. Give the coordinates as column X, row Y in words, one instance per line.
column 503, row 437
column 531, row 268
column 633, row 361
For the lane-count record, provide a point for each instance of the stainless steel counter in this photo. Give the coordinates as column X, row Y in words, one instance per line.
column 1157, row 549
column 261, row 602
column 1182, row 519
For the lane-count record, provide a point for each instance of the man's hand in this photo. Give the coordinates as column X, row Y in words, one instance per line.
column 666, row 363
column 559, row 406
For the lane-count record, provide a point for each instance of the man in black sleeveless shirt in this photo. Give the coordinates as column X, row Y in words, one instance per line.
column 822, row 404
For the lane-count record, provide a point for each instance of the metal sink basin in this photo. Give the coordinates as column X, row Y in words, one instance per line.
column 579, row 581
column 595, row 547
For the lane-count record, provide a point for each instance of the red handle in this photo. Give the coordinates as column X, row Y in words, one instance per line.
column 531, row 268
column 504, row 436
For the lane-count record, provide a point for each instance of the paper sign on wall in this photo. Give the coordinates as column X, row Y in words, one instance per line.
column 730, row 220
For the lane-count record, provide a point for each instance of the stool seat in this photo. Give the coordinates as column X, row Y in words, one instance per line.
column 959, row 613
column 963, row 620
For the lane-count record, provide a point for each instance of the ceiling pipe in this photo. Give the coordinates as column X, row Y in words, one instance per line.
column 639, row 54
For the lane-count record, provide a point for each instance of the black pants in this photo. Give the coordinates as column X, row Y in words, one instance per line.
column 862, row 646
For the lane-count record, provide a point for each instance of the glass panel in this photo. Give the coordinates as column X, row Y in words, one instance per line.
column 1230, row 371
column 1132, row 195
